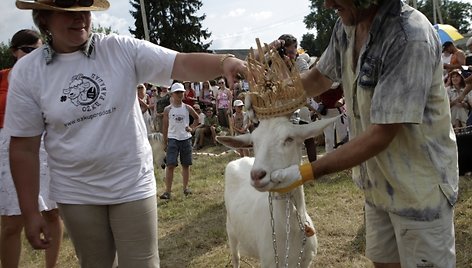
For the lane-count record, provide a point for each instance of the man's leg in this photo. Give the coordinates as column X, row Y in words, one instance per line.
column 381, row 246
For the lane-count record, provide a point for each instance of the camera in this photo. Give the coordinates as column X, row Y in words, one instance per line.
column 281, row 51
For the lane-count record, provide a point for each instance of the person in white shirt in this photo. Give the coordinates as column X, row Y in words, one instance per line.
column 177, row 133
column 77, row 90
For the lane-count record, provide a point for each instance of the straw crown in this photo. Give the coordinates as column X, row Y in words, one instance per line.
column 275, row 90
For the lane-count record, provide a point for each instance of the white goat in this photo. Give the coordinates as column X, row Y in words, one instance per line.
column 277, row 144
column 156, row 140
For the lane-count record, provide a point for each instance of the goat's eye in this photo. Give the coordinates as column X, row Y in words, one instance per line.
column 288, row 140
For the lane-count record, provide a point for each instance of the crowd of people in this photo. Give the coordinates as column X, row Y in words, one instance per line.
column 92, row 122
column 456, row 71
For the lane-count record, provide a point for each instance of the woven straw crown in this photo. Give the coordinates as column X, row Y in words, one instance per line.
column 275, row 89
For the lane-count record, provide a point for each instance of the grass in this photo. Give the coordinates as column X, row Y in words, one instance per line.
column 192, row 229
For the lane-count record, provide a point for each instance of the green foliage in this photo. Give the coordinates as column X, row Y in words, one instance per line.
column 308, row 43
column 455, row 13
column 172, row 24
column 105, row 30
column 6, row 58
column 323, row 20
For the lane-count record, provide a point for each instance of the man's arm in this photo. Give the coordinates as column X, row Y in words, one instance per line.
column 24, row 165
column 460, row 56
column 370, row 143
column 315, row 83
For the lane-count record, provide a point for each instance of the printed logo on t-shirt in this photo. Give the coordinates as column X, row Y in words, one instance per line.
column 178, row 118
column 85, row 91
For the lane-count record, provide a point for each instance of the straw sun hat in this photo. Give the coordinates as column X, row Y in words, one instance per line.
column 98, row 5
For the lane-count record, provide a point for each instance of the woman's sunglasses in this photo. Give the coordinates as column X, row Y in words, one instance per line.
column 26, row 49
column 70, row 3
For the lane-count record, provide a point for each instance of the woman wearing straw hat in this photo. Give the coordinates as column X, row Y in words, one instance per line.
column 79, row 89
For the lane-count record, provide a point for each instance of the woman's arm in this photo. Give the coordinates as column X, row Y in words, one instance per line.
column 24, row 165
column 205, row 66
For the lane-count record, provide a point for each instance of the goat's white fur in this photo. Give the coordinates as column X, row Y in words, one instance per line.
column 277, row 144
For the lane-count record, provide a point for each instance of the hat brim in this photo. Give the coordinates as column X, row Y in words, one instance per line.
column 98, row 5
column 177, row 90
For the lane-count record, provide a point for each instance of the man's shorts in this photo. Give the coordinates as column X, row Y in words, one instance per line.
column 176, row 147
column 394, row 239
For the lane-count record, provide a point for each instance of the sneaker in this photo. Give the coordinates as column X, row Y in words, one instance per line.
column 187, row 192
column 165, row 195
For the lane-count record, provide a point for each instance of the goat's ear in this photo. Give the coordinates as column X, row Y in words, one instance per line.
column 315, row 128
column 236, row 142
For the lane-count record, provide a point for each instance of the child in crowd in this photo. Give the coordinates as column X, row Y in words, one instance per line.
column 178, row 138
column 210, row 127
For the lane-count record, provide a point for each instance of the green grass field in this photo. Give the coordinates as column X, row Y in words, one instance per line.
column 192, row 229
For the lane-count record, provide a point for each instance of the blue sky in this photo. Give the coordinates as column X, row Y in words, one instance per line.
column 233, row 24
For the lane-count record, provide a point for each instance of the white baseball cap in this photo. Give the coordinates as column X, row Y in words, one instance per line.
column 176, row 87
column 238, row 103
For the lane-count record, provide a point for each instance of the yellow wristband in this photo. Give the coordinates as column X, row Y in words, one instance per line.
column 223, row 58
column 306, row 171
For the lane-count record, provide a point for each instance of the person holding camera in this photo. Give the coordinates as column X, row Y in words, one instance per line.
column 332, row 105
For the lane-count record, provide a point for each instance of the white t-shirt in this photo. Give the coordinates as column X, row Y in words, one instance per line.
column 179, row 119
column 95, row 136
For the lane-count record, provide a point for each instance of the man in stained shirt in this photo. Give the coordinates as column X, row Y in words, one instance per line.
column 402, row 148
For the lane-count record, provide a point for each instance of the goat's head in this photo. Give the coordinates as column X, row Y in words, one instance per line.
column 277, row 144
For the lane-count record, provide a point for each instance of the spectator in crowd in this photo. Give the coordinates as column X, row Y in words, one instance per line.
column 190, row 97
column 178, row 138
column 197, row 87
column 163, row 100
column 240, row 122
column 457, row 56
column 209, row 128
column 224, row 99
column 201, row 120
column 23, row 42
column 402, row 149
column 152, row 106
column 83, row 96
column 144, row 103
column 206, row 95
column 459, row 110
column 332, row 105
column 468, row 82
column 214, row 88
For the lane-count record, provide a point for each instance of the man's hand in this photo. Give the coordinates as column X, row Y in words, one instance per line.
column 291, row 177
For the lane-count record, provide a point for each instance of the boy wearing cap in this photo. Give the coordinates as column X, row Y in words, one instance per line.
column 178, row 138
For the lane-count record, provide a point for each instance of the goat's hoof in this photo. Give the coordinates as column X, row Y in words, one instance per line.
column 309, row 231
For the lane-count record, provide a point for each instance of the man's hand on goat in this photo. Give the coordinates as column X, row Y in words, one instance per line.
column 292, row 177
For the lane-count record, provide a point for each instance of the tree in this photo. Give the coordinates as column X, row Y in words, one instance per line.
column 455, row 13
column 6, row 58
column 172, row 24
column 323, row 20
column 105, row 30
column 308, row 43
